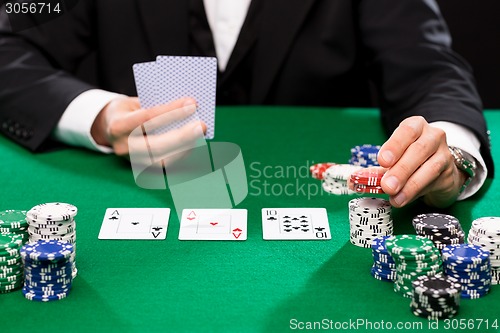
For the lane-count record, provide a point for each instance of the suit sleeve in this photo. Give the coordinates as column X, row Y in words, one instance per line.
column 35, row 65
column 411, row 61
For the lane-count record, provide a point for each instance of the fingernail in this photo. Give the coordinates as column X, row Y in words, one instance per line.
column 189, row 101
column 189, row 108
column 387, row 156
column 399, row 198
column 197, row 129
column 392, row 182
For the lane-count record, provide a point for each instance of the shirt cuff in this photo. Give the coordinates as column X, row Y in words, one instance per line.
column 74, row 126
column 461, row 137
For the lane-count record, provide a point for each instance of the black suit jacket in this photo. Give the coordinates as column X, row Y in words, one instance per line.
column 290, row 52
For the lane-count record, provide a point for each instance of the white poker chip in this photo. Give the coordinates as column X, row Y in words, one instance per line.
column 53, row 211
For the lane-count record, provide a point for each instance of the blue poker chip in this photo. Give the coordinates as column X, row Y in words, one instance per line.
column 45, row 264
column 43, row 272
column 42, row 297
column 468, row 275
column 465, row 253
column 384, row 266
column 50, row 287
column 382, row 277
column 378, row 244
column 47, row 250
column 366, row 150
column 473, row 295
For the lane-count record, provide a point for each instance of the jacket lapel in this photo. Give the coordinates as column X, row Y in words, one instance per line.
column 166, row 25
column 247, row 37
column 279, row 23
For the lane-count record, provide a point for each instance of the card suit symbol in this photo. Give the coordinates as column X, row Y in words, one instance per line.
column 287, row 230
column 214, row 223
column 237, row 233
column 305, row 230
column 303, row 217
column 272, row 218
column 157, row 228
column 304, row 225
column 191, row 216
column 286, row 221
column 296, row 228
column 304, row 221
column 135, row 223
column 295, row 219
column 113, row 218
column 287, row 225
column 286, row 217
column 320, row 229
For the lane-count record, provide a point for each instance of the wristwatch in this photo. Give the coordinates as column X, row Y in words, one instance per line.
column 465, row 163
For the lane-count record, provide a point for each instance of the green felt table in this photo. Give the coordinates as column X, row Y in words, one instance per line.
column 207, row 286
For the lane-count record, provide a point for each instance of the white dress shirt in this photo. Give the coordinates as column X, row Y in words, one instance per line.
column 226, row 18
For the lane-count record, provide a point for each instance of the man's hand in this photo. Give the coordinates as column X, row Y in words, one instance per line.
column 419, row 164
column 119, row 118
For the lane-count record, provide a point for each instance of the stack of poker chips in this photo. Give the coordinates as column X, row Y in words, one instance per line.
column 369, row 218
column 53, row 221
column 384, row 267
column 470, row 264
column 365, row 155
column 48, row 270
column 14, row 222
column 414, row 256
column 485, row 231
column 435, row 297
column 318, row 169
column 367, row 180
column 335, row 178
column 442, row 229
column 11, row 270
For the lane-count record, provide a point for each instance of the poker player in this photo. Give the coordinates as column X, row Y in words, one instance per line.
column 270, row 52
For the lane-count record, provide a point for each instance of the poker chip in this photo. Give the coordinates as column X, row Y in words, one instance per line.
column 470, row 264
column 53, row 211
column 335, row 179
column 414, row 256
column 435, row 297
column 11, row 276
column 48, row 270
column 364, row 155
column 369, row 218
column 14, row 222
column 318, row 169
column 53, row 221
column 485, row 232
column 367, row 180
column 384, row 267
column 442, row 229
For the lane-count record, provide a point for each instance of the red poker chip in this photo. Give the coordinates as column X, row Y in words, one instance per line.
column 369, row 189
column 318, row 169
column 368, row 176
column 361, row 188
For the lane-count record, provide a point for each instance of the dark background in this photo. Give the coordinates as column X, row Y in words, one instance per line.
column 475, row 29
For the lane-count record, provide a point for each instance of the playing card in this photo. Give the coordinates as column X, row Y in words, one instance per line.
column 213, row 224
column 145, row 82
column 295, row 223
column 135, row 223
column 179, row 76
